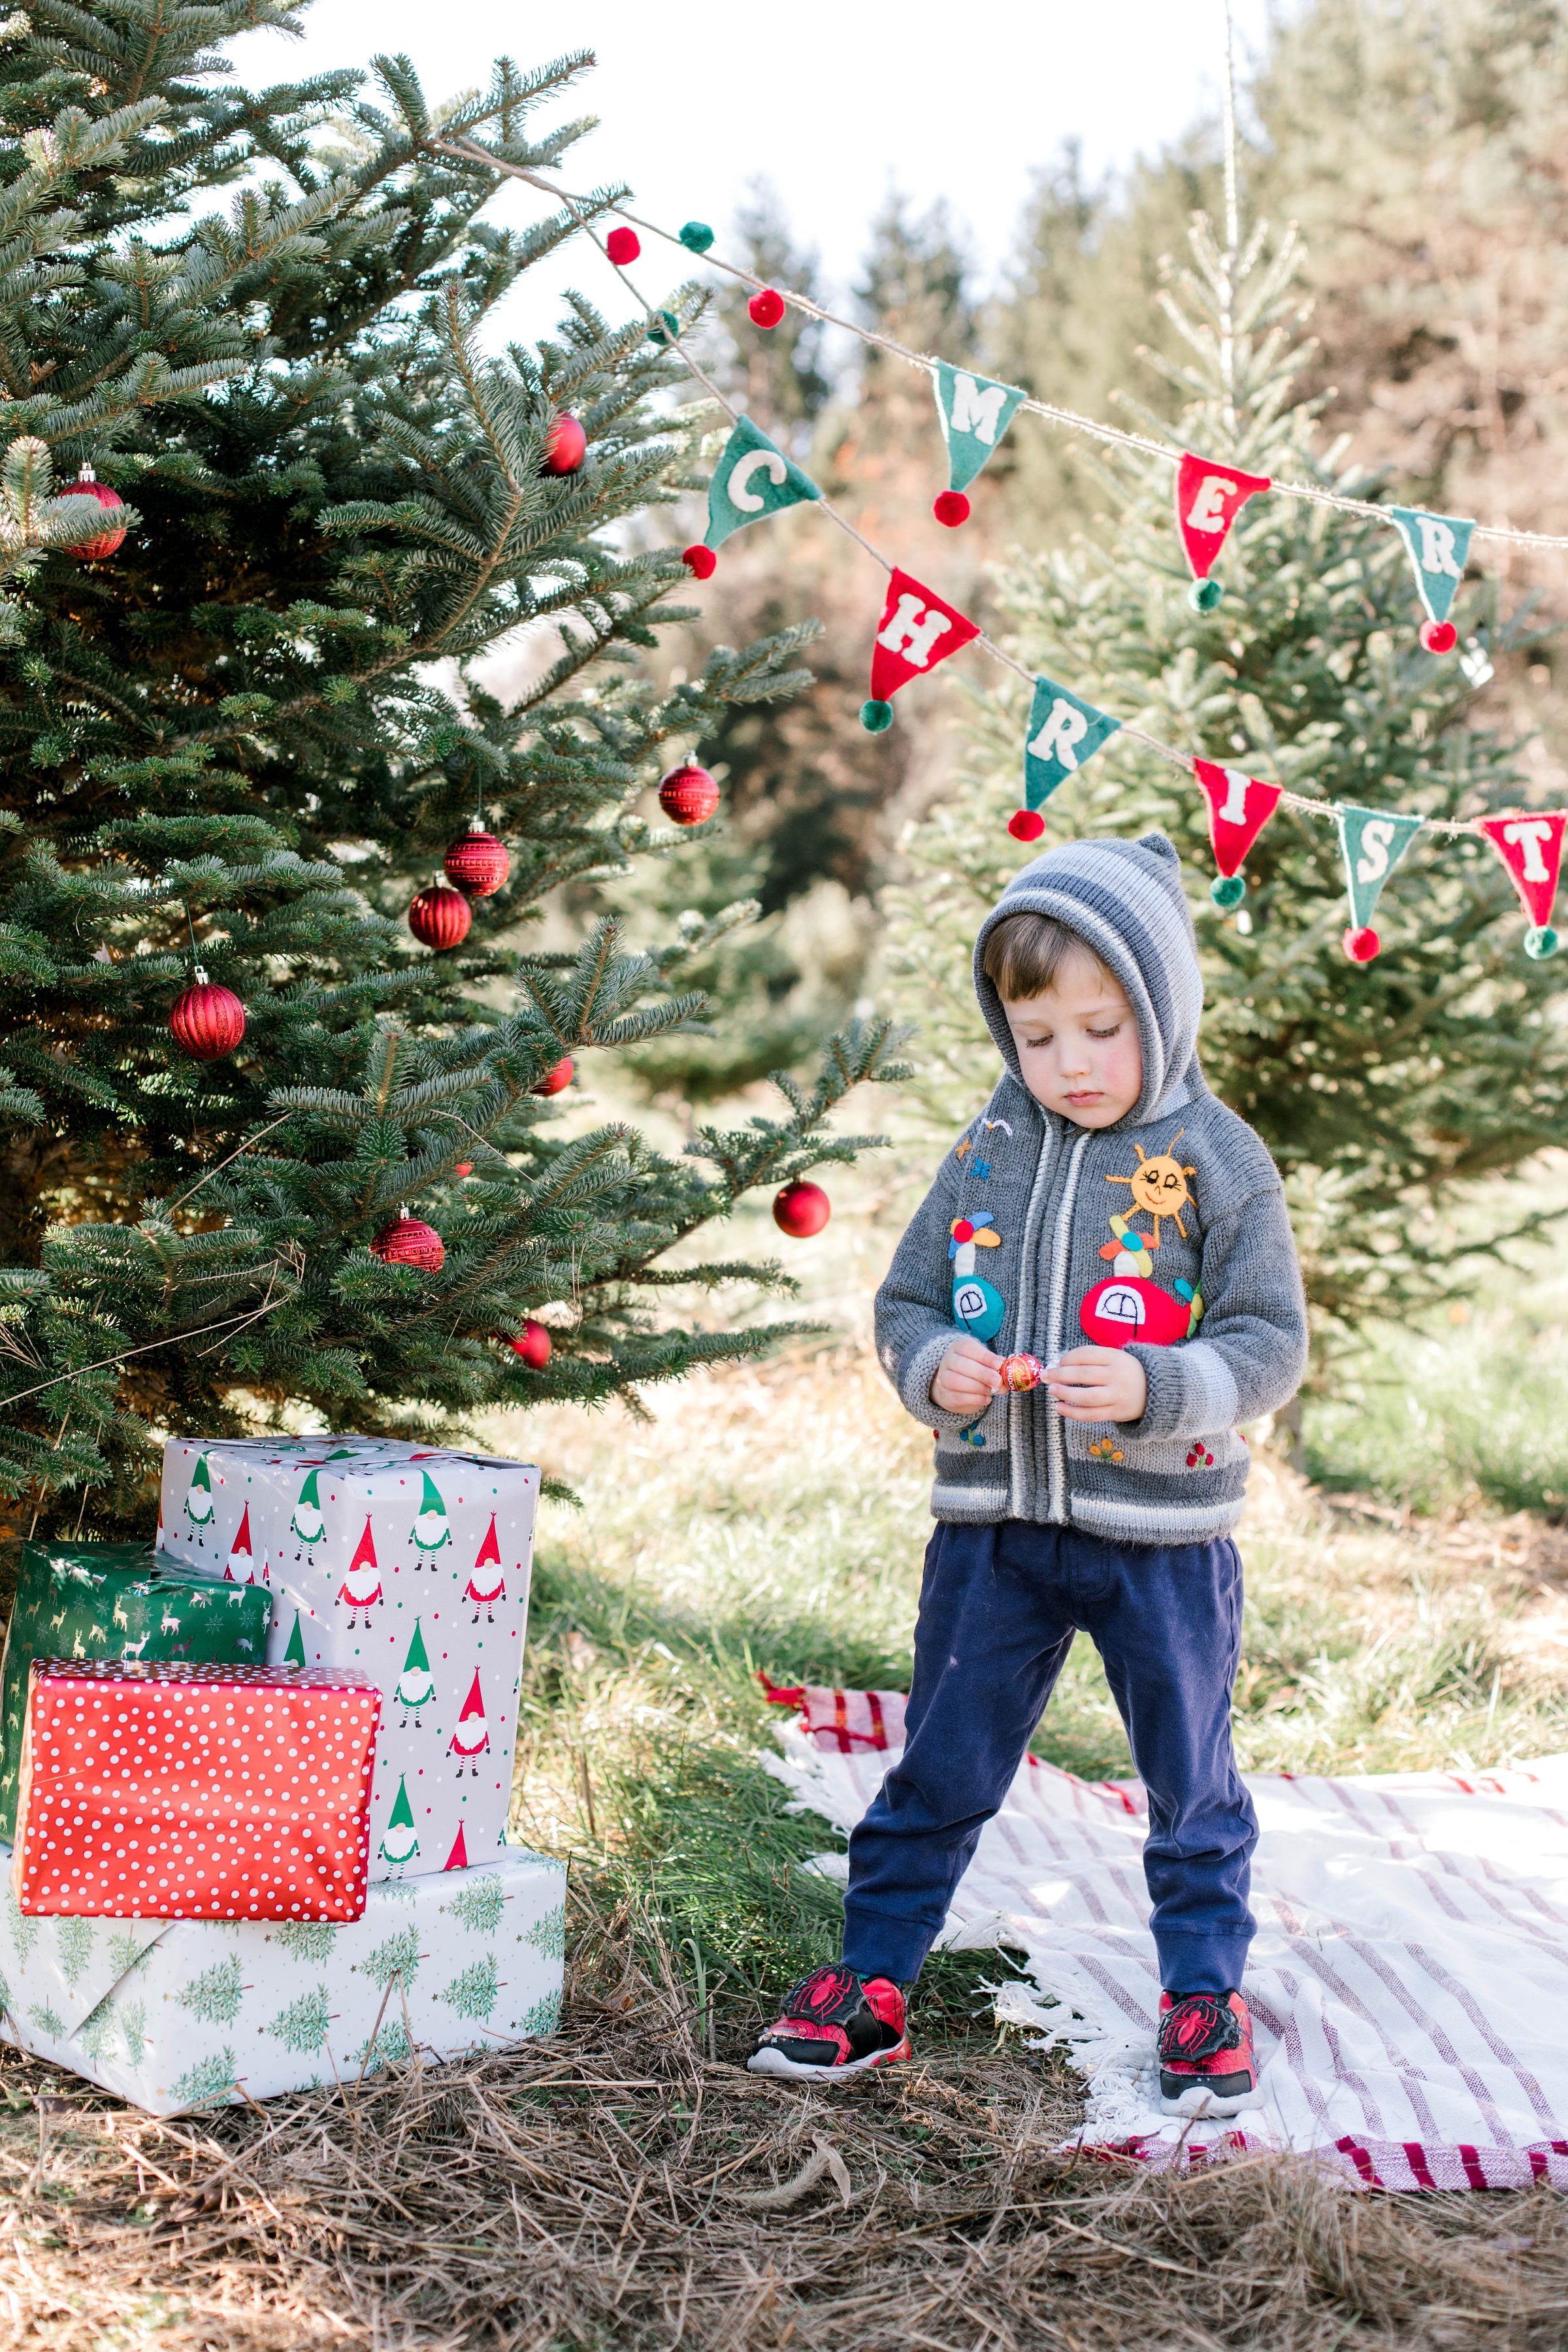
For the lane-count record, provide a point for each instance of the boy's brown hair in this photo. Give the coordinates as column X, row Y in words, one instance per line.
column 1025, row 955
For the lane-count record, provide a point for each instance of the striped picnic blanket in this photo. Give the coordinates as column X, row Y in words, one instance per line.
column 1409, row 1982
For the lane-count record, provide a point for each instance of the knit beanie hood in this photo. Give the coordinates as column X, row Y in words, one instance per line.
column 1124, row 900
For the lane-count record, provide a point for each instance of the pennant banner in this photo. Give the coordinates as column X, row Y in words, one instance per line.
column 974, row 414
column 1239, row 808
column 1531, row 846
column 752, row 478
column 917, row 631
column 1437, row 546
column 1063, row 732
column 1371, row 842
column 1208, row 499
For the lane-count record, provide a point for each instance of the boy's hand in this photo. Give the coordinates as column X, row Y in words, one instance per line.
column 1098, row 1384
column 967, row 1377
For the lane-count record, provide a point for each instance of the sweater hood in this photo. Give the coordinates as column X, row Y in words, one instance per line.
column 1124, row 900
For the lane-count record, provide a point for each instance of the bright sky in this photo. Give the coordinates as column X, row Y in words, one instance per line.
column 833, row 103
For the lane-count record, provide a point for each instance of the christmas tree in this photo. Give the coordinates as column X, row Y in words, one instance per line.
column 1381, row 1087
column 238, row 740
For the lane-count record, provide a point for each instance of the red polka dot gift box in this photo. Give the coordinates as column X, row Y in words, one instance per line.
column 171, row 1792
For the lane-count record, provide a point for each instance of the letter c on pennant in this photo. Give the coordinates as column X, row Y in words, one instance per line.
column 743, row 499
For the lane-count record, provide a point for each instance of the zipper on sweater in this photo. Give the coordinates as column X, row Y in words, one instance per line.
column 1055, row 1441
column 1018, row 1418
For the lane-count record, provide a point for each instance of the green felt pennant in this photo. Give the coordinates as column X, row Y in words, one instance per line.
column 752, row 478
column 1437, row 546
column 1063, row 732
column 974, row 414
column 1373, row 842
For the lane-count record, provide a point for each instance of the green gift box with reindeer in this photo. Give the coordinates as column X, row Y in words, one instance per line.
column 116, row 1601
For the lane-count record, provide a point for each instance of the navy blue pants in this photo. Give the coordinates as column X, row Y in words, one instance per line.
column 999, row 1607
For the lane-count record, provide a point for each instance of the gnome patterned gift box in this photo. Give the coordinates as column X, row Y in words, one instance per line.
column 408, row 1563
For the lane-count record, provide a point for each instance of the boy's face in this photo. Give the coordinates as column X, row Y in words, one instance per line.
column 1077, row 1045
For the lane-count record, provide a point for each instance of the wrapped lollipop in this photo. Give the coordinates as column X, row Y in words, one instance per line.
column 1020, row 1372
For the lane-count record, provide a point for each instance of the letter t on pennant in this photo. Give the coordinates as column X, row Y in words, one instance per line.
column 1531, row 846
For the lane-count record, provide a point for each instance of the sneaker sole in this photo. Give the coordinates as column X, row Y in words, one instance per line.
column 770, row 2061
column 1198, row 2103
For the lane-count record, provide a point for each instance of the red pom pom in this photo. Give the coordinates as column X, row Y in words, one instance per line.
column 952, row 508
column 478, row 863
column 766, row 307
column 1025, row 824
column 554, row 1080
column 688, row 795
column 1439, row 636
column 533, row 1344
column 87, row 486
column 440, row 917
column 463, row 1168
column 408, row 1241
column 622, row 245
column 699, row 560
column 802, row 1209
column 565, row 446
column 207, row 1023
column 1360, row 946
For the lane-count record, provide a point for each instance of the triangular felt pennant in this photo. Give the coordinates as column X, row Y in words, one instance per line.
column 1209, row 497
column 917, row 631
column 1531, row 846
column 1063, row 732
column 752, row 478
column 974, row 414
column 1239, row 808
column 1371, row 842
column 1438, row 547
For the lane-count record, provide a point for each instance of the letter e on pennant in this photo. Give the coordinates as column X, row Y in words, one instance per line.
column 1239, row 808
column 1530, row 843
column 917, row 630
column 1209, row 497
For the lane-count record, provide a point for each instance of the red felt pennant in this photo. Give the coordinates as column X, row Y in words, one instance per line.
column 1530, row 843
column 917, row 630
column 1209, row 497
column 1239, row 808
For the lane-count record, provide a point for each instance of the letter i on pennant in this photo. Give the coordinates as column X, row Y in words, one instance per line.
column 1531, row 846
column 1437, row 546
column 1209, row 497
column 1239, row 808
column 1372, row 843
column 917, row 630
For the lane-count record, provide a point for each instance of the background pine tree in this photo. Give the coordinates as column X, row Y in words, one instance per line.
column 249, row 734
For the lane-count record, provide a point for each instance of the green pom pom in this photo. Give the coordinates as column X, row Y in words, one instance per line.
column 697, row 236
column 1205, row 594
column 666, row 329
column 1227, row 890
column 876, row 718
column 1543, row 942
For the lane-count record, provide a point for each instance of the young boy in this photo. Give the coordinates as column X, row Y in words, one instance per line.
column 1107, row 1215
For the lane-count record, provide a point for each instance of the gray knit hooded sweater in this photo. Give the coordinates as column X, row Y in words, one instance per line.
column 1041, row 1235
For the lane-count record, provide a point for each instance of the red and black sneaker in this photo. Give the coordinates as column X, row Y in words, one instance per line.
column 834, row 2022
column 1206, row 2066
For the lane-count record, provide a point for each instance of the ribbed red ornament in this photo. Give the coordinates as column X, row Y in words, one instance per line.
column 409, row 1241
column 555, row 1080
column 565, row 446
column 533, row 1344
column 87, row 486
column 766, row 307
column 801, row 1210
column 688, row 795
column 440, row 917
column 623, row 244
column 699, row 560
column 478, row 863
column 462, row 1168
column 208, row 1021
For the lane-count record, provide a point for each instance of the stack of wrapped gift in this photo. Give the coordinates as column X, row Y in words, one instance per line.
column 233, row 1879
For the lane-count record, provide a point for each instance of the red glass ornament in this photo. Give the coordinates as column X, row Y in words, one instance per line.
column 478, row 863
column 409, row 1241
column 1025, row 824
column 1360, row 946
column 439, row 917
column 555, row 1080
column 699, row 560
column 950, row 507
column 1021, row 1373
column 462, row 1168
column 766, row 307
column 533, row 1344
column 208, row 1021
column 688, row 795
column 1439, row 636
column 801, row 1210
column 623, row 244
column 87, row 486
column 565, row 446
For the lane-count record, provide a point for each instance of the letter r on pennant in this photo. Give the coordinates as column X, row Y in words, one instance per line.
column 1063, row 727
column 1437, row 548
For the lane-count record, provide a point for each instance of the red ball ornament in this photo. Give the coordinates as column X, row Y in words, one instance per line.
column 1439, row 636
column 1360, row 946
column 533, row 1344
column 699, row 560
column 565, row 446
column 478, row 863
column 1021, row 1373
column 555, row 1080
column 952, row 508
column 688, row 795
column 766, row 307
column 408, row 1241
column 623, row 244
column 462, row 1168
column 208, row 1021
column 802, row 1209
column 87, row 486
column 1025, row 824
column 439, row 917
